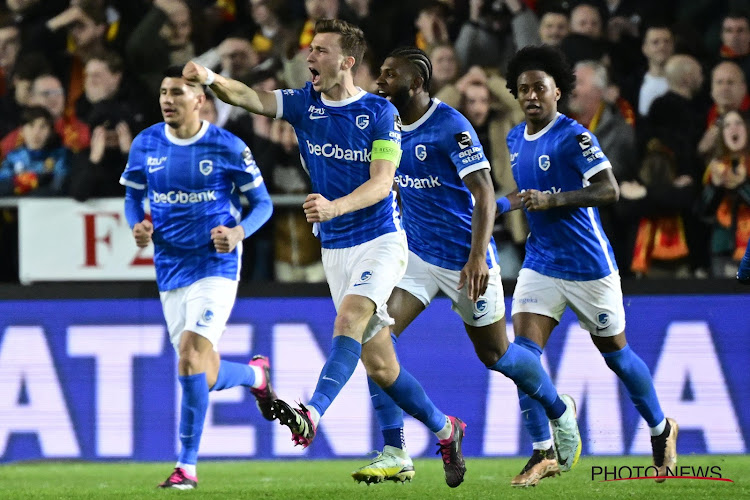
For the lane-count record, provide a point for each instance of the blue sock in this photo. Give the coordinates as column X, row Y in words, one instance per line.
column 390, row 417
column 407, row 393
column 342, row 360
column 233, row 374
column 192, row 415
column 525, row 369
column 532, row 412
column 637, row 379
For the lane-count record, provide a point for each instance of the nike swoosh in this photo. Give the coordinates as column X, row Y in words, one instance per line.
column 186, row 435
column 357, row 284
column 198, row 323
column 151, row 170
column 332, row 380
column 318, row 117
column 513, row 165
column 480, row 316
column 600, row 329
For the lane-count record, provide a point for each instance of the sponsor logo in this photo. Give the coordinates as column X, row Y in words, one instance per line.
column 317, row 113
column 288, row 91
column 463, row 139
column 155, row 162
column 406, row 181
column 584, row 140
column 151, row 170
column 362, row 121
column 526, row 300
column 329, row 150
column 544, row 162
column 397, row 123
column 206, row 166
column 471, row 155
column 421, row 152
column 173, row 197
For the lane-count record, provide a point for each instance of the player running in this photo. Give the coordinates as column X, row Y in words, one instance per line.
column 448, row 206
column 350, row 145
column 562, row 175
column 193, row 173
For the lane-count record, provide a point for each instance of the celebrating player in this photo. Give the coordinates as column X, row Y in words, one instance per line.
column 194, row 172
column 448, row 221
column 562, row 175
column 350, row 143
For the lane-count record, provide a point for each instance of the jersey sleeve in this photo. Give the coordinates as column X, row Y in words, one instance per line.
column 134, row 175
column 583, row 149
column 387, row 125
column 461, row 144
column 242, row 168
column 291, row 103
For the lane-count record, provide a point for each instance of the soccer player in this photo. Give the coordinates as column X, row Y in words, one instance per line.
column 563, row 175
column 448, row 207
column 193, row 173
column 350, row 143
column 743, row 272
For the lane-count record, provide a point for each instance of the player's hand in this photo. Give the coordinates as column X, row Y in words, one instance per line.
column 225, row 239
column 318, row 208
column 142, row 233
column 194, row 72
column 535, row 200
column 475, row 275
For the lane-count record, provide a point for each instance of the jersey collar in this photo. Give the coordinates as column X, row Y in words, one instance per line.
column 536, row 136
column 190, row 140
column 423, row 118
column 348, row 100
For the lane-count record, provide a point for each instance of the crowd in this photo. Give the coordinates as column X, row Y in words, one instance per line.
column 663, row 86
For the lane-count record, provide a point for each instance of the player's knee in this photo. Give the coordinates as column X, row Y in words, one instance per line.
column 190, row 361
column 350, row 322
column 488, row 355
column 381, row 371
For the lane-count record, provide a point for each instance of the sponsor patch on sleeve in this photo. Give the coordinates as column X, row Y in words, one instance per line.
column 463, row 139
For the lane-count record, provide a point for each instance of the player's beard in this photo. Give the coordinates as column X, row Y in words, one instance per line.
column 400, row 99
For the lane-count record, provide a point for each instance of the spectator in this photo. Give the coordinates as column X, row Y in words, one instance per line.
column 494, row 32
column 585, row 19
column 554, row 25
column 735, row 40
column 432, row 25
column 657, row 47
column 272, row 37
column 39, row 167
column 48, row 92
column 729, row 92
column 445, row 66
column 726, row 196
column 10, row 44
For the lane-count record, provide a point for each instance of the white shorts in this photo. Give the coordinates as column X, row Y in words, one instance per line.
column 202, row 307
column 597, row 303
column 424, row 280
column 371, row 270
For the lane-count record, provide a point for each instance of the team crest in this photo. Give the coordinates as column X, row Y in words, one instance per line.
column 206, row 166
column 603, row 319
column 366, row 275
column 544, row 162
column 207, row 316
column 363, row 121
column 480, row 306
column 421, row 152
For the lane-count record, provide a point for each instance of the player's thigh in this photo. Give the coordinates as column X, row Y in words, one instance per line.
column 173, row 307
column 598, row 305
column 489, row 308
column 208, row 304
column 538, row 305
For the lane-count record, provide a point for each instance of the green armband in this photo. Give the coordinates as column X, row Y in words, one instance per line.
column 386, row 150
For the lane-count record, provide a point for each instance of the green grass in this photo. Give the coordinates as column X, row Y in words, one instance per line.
column 330, row 480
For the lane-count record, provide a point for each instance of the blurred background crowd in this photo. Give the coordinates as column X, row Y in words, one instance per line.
column 662, row 84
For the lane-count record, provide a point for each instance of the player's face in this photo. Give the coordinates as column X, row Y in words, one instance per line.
column 180, row 102
column 395, row 82
column 538, row 95
column 326, row 61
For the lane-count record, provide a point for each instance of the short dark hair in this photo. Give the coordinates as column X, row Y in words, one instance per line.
column 31, row 113
column 175, row 71
column 545, row 58
column 352, row 38
column 738, row 13
column 112, row 59
column 419, row 60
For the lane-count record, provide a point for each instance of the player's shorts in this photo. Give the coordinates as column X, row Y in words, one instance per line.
column 370, row 269
column 202, row 307
column 597, row 303
column 423, row 280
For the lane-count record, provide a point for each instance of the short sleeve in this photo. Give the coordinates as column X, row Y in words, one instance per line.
column 461, row 144
column 584, row 151
column 242, row 168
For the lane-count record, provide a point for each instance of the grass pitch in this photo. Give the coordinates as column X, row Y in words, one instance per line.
column 331, row 480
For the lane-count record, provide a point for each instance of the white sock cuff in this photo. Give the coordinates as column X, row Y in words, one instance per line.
column 656, row 431
column 542, row 445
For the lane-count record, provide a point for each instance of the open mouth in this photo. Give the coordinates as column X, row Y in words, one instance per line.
column 168, row 111
column 315, row 75
column 533, row 108
column 383, row 93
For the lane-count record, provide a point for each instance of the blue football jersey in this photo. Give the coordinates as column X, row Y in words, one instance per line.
column 440, row 149
column 335, row 143
column 569, row 242
column 192, row 186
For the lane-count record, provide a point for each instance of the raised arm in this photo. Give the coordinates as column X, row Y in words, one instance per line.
column 232, row 91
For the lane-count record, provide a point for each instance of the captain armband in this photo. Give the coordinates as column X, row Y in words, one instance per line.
column 386, row 150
